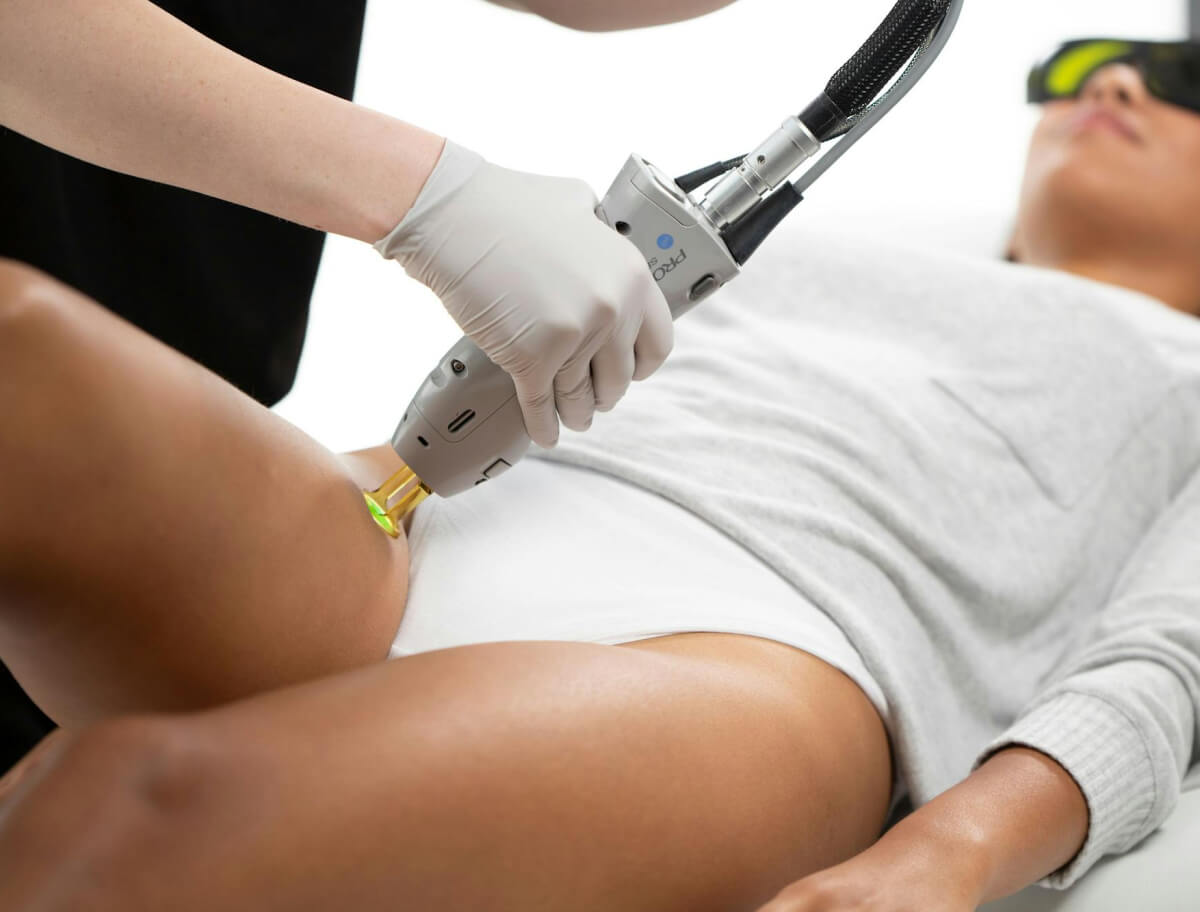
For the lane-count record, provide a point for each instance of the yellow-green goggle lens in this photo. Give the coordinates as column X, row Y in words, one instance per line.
column 1066, row 74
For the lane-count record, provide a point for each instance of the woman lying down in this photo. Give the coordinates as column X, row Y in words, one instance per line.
column 911, row 531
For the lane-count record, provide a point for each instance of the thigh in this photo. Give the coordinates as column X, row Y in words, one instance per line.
column 525, row 777
column 165, row 542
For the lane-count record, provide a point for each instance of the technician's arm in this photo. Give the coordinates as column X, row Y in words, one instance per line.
column 124, row 85
column 606, row 15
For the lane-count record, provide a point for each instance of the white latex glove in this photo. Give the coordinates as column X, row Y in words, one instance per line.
column 550, row 293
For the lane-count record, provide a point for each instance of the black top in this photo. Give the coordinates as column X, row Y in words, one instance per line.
column 225, row 285
column 228, row 286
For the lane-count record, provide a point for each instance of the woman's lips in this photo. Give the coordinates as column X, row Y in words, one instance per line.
column 1094, row 117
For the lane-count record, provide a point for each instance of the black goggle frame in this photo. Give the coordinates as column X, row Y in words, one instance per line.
column 1171, row 69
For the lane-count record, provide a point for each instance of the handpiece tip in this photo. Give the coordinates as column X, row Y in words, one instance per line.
column 395, row 499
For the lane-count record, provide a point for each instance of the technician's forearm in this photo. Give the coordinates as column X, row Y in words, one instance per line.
column 122, row 84
column 606, row 15
column 1018, row 818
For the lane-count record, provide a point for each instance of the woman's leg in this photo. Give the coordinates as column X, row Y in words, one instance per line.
column 165, row 542
column 699, row 773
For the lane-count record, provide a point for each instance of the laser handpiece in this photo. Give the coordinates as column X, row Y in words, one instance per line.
column 465, row 425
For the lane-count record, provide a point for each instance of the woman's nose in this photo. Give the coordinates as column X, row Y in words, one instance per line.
column 1117, row 82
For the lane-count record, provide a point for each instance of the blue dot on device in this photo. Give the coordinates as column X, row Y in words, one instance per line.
column 665, row 241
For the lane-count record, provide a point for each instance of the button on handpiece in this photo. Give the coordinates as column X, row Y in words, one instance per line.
column 703, row 288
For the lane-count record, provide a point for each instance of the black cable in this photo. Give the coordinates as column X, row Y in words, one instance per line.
column 927, row 53
column 745, row 236
column 889, row 48
column 865, row 75
column 824, row 118
column 694, row 180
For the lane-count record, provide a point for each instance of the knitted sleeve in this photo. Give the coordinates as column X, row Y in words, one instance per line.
column 1123, row 714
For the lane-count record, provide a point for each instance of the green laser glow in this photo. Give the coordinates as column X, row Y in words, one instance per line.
column 380, row 515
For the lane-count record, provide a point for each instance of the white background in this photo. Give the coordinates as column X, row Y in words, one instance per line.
column 943, row 168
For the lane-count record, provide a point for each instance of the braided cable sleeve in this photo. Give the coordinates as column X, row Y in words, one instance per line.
column 889, row 48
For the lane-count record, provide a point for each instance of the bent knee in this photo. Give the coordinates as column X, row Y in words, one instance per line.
column 143, row 767
column 102, row 807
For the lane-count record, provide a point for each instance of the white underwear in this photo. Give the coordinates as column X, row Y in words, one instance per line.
column 552, row 552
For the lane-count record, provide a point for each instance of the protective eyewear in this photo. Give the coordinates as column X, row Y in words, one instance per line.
column 1171, row 70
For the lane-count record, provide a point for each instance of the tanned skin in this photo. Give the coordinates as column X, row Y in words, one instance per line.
column 175, row 560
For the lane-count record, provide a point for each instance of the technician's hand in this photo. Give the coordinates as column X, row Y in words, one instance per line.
column 550, row 293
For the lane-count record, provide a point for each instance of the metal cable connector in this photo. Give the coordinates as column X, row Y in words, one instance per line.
column 760, row 172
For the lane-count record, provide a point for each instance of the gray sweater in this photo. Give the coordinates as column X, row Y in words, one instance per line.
column 985, row 474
